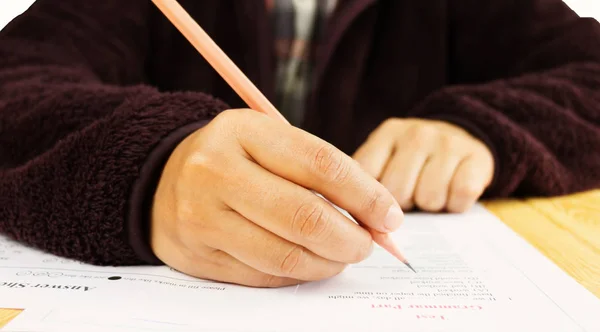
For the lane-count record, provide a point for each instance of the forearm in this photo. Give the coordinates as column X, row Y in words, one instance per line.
column 524, row 77
column 82, row 138
column 76, row 197
column 543, row 128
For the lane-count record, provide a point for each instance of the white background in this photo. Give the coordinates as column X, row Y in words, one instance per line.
column 10, row 8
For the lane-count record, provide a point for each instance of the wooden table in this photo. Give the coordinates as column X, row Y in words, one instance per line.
column 565, row 229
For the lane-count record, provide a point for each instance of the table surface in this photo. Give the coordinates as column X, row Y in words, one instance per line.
column 565, row 229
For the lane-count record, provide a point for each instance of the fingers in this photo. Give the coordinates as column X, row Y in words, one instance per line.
column 222, row 267
column 431, row 191
column 268, row 253
column 374, row 154
column 424, row 169
column 312, row 163
column 440, row 181
column 469, row 182
column 402, row 174
column 296, row 214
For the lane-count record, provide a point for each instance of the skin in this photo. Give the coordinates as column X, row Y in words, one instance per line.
column 234, row 204
column 430, row 165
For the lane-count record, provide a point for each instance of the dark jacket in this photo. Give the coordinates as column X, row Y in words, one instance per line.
column 94, row 95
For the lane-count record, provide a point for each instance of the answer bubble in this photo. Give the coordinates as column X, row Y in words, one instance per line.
column 114, row 278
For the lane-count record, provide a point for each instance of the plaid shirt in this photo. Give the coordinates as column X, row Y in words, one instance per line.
column 297, row 26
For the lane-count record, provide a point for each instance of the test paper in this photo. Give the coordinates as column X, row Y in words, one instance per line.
column 473, row 274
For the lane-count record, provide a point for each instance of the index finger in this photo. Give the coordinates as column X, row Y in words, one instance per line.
column 312, row 163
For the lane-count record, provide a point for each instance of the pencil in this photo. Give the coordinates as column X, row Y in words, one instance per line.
column 238, row 81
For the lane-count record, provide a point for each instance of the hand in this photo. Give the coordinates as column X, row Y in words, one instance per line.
column 432, row 165
column 234, row 204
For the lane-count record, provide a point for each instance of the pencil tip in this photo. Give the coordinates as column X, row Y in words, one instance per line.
column 387, row 243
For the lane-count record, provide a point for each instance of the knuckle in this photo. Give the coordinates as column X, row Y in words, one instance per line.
column 430, row 201
column 390, row 124
column 421, row 136
column 373, row 202
column 205, row 155
column 311, row 221
column 226, row 117
column 290, row 262
column 467, row 191
column 450, row 142
column 231, row 120
column 203, row 167
column 330, row 163
column 420, row 133
column 233, row 114
column 202, row 160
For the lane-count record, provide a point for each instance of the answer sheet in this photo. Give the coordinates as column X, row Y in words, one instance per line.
column 473, row 274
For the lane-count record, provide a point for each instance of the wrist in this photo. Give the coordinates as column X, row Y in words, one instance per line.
column 144, row 192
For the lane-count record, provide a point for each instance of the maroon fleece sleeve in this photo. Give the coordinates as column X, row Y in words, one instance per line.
column 527, row 82
column 82, row 139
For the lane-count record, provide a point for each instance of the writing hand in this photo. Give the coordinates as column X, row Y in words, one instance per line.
column 234, row 204
column 431, row 165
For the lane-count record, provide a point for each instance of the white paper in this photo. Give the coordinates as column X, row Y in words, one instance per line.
column 473, row 274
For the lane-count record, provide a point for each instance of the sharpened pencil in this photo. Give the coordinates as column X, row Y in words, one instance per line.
column 238, row 81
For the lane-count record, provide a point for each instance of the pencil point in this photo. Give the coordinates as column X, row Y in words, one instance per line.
column 386, row 242
column 410, row 266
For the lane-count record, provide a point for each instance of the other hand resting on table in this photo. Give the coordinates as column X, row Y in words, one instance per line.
column 431, row 165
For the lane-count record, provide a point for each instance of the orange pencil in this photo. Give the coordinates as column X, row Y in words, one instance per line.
column 238, row 81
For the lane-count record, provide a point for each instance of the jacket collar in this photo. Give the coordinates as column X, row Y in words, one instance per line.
column 253, row 15
column 342, row 18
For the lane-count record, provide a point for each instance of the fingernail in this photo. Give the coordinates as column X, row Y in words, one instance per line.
column 393, row 219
